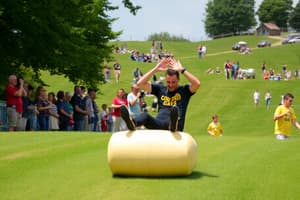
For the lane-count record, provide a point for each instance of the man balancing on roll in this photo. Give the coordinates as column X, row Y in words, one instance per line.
column 173, row 98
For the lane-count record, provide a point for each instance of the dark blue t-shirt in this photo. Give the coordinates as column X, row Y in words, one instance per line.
column 78, row 101
column 167, row 99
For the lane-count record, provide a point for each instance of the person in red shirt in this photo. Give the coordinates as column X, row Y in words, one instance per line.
column 13, row 93
column 117, row 102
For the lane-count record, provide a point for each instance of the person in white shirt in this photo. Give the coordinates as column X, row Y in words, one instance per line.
column 256, row 97
column 133, row 99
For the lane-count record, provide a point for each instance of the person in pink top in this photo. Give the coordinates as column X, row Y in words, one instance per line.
column 117, row 102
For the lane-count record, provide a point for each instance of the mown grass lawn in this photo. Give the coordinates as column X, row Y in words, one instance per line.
column 74, row 166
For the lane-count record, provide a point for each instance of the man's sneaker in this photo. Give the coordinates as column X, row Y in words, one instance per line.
column 174, row 119
column 127, row 118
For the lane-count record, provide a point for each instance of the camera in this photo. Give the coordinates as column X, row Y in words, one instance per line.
column 142, row 94
column 18, row 80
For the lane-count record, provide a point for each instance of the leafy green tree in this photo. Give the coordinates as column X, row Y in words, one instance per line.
column 294, row 19
column 229, row 16
column 276, row 11
column 68, row 37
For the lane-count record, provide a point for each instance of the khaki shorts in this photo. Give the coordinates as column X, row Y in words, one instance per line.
column 118, row 72
column 14, row 119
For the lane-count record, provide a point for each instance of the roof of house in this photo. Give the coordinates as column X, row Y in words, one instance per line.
column 270, row 26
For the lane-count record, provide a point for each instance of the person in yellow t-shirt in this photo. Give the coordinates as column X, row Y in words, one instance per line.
column 284, row 118
column 215, row 128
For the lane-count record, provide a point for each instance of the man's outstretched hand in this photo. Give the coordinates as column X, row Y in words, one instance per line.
column 176, row 65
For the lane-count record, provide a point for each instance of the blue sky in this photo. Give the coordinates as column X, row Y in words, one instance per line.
column 177, row 17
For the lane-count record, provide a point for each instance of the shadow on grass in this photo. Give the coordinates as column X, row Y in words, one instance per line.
column 193, row 175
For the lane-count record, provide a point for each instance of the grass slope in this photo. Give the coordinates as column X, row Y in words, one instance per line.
column 73, row 166
column 246, row 163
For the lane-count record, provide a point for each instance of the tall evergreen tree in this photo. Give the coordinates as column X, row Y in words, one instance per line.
column 229, row 16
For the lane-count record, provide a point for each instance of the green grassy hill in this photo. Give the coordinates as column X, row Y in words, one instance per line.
column 231, row 99
column 246, row 163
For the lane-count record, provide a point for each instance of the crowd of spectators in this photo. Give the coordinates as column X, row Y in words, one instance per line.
column 232, row 70
column 39, row 110
column 156, row 53
column 283, row 74
column 149, row 57
column 30, row 110
column 140, row 57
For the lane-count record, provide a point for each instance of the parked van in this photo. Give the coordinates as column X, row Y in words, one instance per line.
column 289, row 37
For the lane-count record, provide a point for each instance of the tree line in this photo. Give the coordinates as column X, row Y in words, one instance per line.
column 236, row 16
column 165, row 36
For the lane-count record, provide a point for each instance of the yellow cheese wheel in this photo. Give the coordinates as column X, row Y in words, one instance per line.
column 152, row 153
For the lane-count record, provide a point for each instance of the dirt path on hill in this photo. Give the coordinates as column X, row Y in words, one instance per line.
column 279, row 38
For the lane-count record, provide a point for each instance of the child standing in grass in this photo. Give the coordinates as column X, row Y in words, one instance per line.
column 215, row 128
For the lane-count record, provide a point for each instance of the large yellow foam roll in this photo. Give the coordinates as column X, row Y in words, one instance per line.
column 152, row 153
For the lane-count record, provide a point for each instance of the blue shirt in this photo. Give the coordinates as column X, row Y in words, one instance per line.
column 63, row 105
column 134, row 109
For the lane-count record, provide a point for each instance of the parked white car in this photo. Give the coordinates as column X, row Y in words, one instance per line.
column 239, row 45
column 290, row 37
column 294, row 40
column 247, row 73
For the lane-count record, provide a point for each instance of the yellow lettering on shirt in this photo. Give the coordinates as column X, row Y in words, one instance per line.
column 170, row 101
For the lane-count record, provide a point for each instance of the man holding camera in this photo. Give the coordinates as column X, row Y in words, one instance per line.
column 173, row 98
column 134, row 103
column 13, row 93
